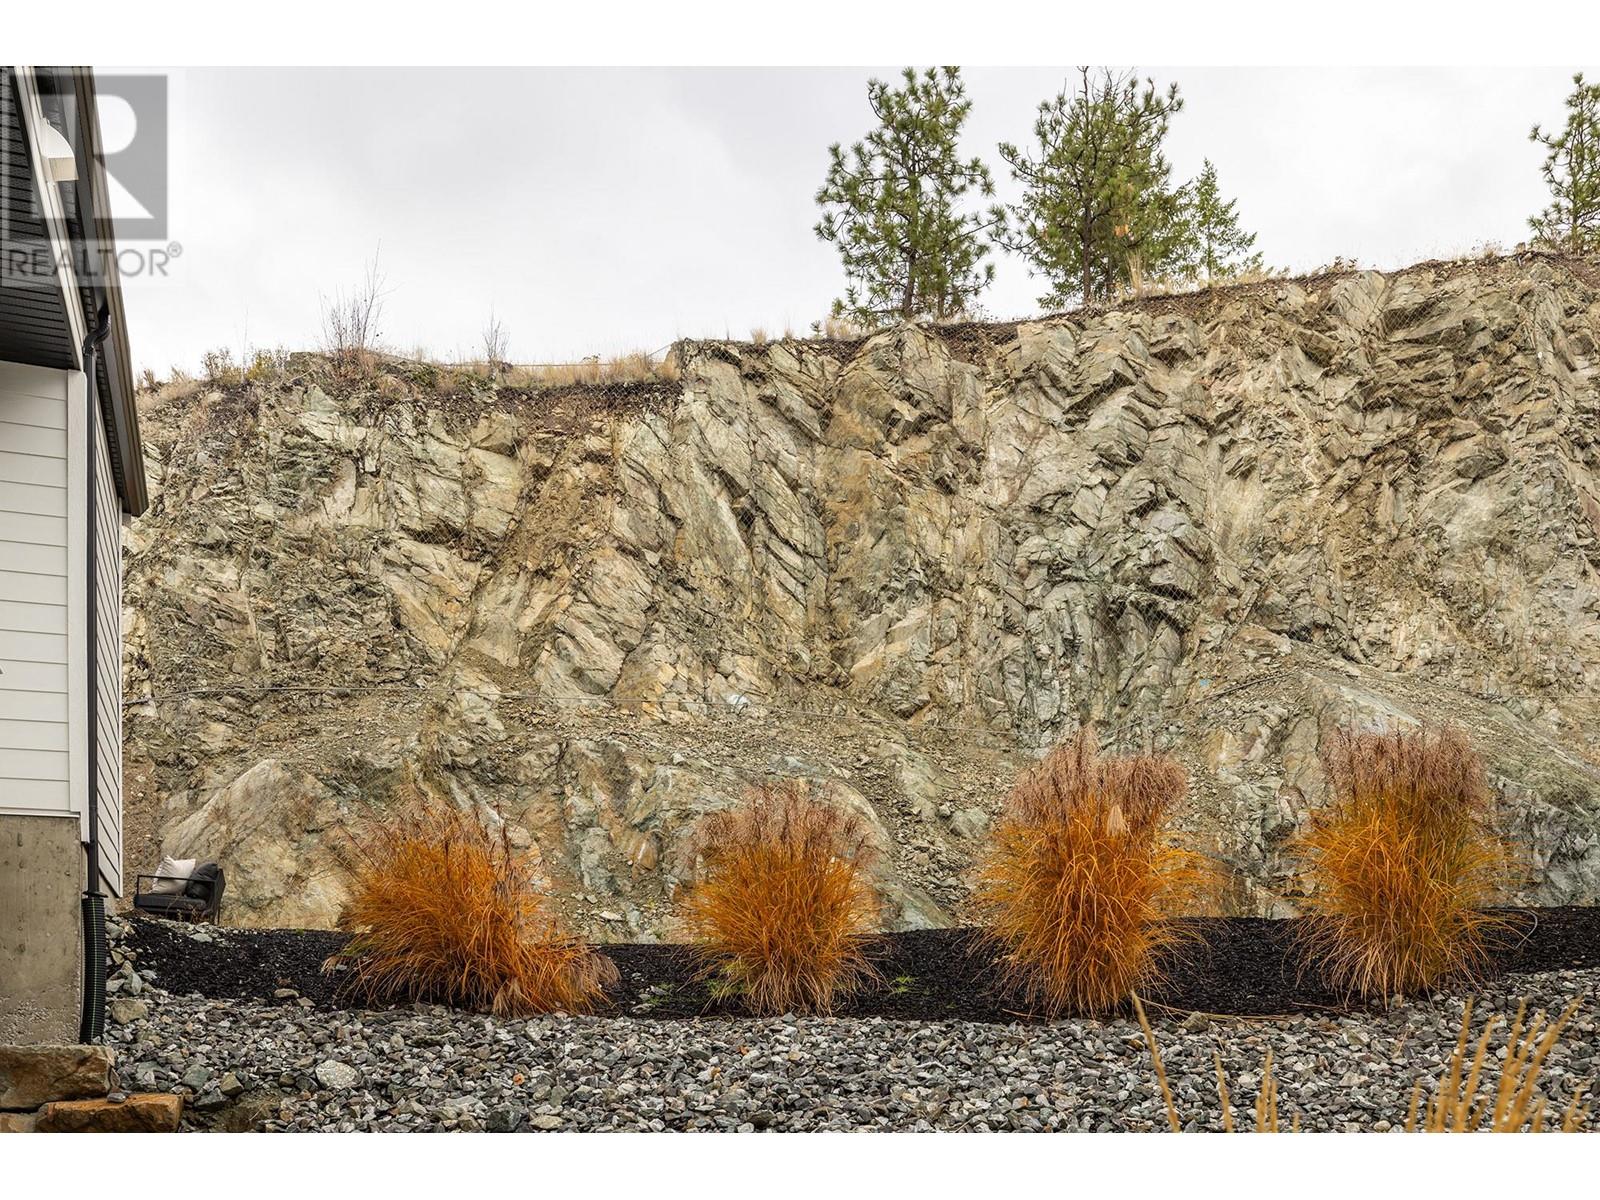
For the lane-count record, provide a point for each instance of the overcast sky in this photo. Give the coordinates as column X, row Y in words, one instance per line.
column 600, row 211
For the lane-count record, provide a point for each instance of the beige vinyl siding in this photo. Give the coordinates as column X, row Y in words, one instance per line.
column 108, row 672
column 44, row 673
column 35, row 742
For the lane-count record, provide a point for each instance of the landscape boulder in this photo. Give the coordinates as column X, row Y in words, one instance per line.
column 34, row 1075
column 151, row 1112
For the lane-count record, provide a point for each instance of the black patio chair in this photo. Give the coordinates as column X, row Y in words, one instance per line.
column 199, row 900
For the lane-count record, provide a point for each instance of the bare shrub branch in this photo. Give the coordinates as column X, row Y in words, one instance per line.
column 350, row 322
column 496, row 345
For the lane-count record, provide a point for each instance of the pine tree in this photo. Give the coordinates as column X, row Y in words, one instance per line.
column 1571, row 222
column 1098, row 208
column 1218, row 248
column 894, row 206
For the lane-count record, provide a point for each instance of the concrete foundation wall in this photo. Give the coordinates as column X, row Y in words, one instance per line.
column 41, row 882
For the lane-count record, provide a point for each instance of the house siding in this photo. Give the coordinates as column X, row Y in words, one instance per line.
column 44, row 673
column 108, row 668
column 60, row 706
column 35, row 742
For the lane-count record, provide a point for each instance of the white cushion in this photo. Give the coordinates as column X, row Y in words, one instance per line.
column 180, row 868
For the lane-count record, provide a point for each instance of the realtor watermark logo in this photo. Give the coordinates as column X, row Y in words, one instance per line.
column 54, row 183
column 133, row 149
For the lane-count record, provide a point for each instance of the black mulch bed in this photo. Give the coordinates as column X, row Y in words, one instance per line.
column 1242, row 966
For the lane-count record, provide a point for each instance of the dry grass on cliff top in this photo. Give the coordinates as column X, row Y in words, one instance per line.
column 1079, row 885
column 1197, row 299
column 396, row 374
column 1401, row 863
column 444, row 910
column 782, row 904
column 421, row 372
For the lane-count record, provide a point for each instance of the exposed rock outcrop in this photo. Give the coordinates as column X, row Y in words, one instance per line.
column 900, row 567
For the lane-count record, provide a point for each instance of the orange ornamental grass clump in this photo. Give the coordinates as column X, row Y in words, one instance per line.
column 1079, row 884
column 782, row 904
column 1401, row 863
column 444, row 910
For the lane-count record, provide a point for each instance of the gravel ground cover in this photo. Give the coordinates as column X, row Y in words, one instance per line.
column 1234, row 965
column 244, row 1064
column 292, row 1062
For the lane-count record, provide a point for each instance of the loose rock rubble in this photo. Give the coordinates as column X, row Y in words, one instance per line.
column 125, row 983
column 247, row 1065
column 286, row 1066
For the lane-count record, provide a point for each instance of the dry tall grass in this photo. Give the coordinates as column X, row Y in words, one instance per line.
column 444, row 910
column 1401, row 863
column 1078, row 884
column 839, row 329
column 1266, row 1108
column 1461, row 1103
column 1174, row 1122
column 782, row 904
column 636, row 367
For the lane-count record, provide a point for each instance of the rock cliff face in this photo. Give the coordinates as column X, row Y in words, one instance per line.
column 900, row 568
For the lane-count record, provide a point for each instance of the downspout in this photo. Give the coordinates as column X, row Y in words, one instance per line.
column 92, row 1025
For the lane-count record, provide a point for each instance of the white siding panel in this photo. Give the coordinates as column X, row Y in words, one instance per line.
column 34, row 529
column 18, row 676
column 21, row 379
column 33, row 618
column 108, row 675
column 36, row 748
column 32, row 498
column 33, row 764
column 32, row 589
column 33, row 706
column 111, row 845
column 42, row 469
column 33, row 647
column 40, row 412
column 111, row 849
column 30, row 558
column 18, row 437
column 45, row 675
column 33, row 735
column 34, row 795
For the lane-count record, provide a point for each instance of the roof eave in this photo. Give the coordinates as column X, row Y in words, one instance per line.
column 94, row 199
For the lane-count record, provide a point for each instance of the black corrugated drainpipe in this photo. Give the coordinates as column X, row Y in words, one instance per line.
column 92, row 1025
